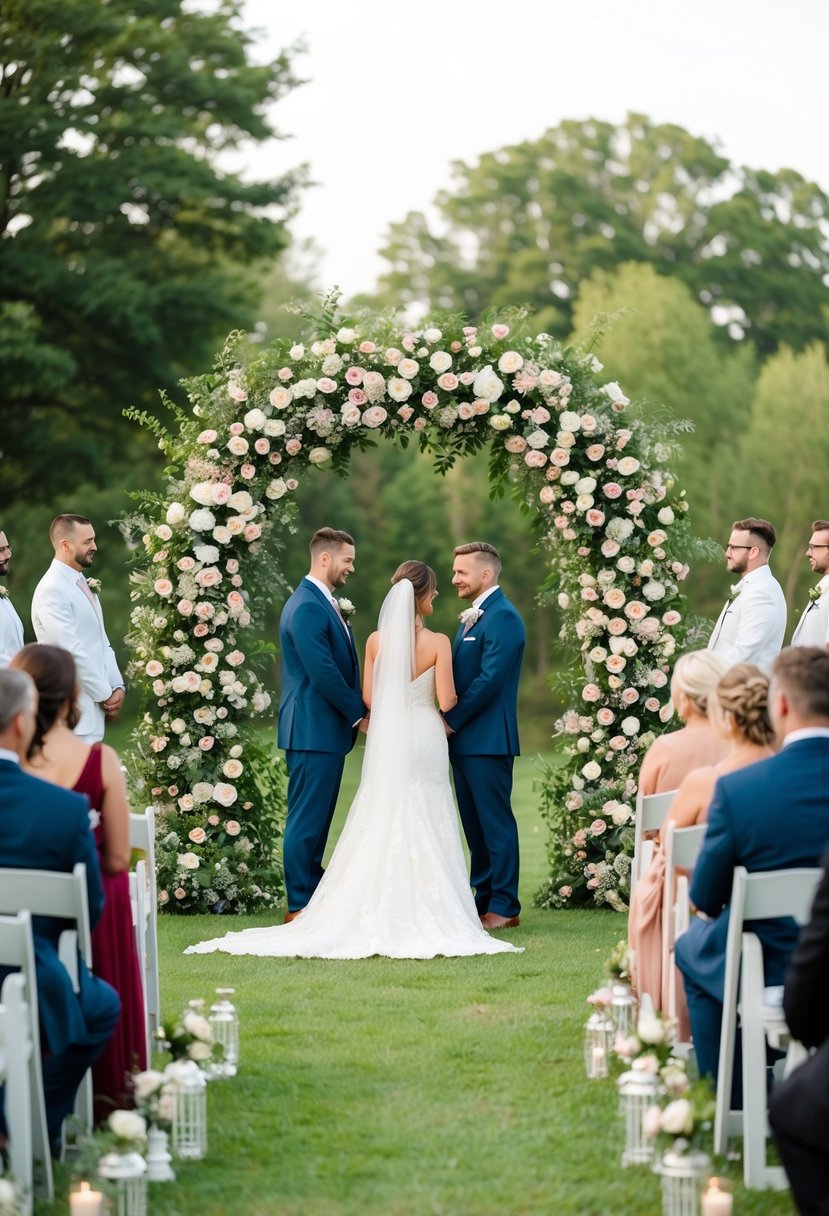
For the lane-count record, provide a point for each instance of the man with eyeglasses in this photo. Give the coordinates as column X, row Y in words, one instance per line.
column 11, row 627
column 813, row 627
column 752, row 623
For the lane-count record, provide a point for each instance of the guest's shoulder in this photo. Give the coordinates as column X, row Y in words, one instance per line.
column 46, row 793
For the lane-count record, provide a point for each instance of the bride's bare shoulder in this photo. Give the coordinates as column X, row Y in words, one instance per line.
column 372, row 643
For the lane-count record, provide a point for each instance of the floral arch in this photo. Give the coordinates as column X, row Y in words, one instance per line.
column 558, row 435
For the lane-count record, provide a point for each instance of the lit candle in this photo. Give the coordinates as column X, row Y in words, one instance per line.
column 598, row 1061
column 85, row 1201
column 716, row 1201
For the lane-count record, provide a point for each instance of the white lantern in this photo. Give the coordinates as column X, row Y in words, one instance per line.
column 188, row 1085
column 637, row 1091
column 623, row 1009
column 224, row 1022
column 682, row 1178
column 599, row 1032
column 159, row 1168
column 129, row 1173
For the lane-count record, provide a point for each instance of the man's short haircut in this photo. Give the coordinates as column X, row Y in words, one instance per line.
column 329, row 540
column 803, row 674
column 17, row 693
column 818, row 525
column 760, row 529
column 62, row 527
column 488, row 554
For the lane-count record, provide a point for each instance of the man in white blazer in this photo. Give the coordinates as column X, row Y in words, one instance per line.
column 752, row 623
column 813, row 627
column 11, row 626
column 66, row 612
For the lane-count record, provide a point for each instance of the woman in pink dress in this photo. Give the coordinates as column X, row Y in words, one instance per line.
column 56, row 754
column 666, row 763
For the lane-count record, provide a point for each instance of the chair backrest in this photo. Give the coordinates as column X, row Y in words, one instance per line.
column 17, row 951
column 762, row 895
column 142, row 836
column 651, row 810
column 52, row 893
column 142, row 830
column 682, row 846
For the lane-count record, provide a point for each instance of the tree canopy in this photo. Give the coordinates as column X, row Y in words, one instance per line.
column 126, row 249
column 528, row 223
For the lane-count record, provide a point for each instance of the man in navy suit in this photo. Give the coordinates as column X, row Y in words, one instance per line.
column 799, row 1106
column 773, row 815
column 44, row 827
column 320, row 709
column 483, row 743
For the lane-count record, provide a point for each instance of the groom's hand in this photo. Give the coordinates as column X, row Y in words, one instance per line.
column 362, row 725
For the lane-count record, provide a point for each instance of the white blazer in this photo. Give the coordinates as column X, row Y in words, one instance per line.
column 751, row 626
column 11, row 631
column 62, row 615
column 813, row 627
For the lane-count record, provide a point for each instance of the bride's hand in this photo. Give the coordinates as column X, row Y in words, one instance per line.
column 362, row 725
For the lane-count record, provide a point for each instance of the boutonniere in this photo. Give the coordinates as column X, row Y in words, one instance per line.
column 470, row 615
column 346, row 607
column 94, row 585
column 3, row 593
column 734, row 592
column 814, row 594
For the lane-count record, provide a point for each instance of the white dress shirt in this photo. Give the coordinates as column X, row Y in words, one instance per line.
column 751, row 626
column 11, row 631
column 813, row 627
column 63, row 614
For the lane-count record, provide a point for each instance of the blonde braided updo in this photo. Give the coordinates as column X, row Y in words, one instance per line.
column 743, row 692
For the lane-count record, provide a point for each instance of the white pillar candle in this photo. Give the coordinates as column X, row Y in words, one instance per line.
column 86, row 1202
column 716, row 1201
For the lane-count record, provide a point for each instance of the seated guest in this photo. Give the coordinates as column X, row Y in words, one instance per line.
column 43, row 827
column 799, row 1106
column 667, row 762
column 673, row 755
column 57, row 754
column 772, row 815
column 738, row 712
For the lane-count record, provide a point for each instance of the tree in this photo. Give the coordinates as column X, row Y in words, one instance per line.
column 528, row 223
column 784, row 458
column 660, row 340
column 124, row 246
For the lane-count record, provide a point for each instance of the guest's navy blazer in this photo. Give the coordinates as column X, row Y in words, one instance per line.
column 773, row 815
column 45, row 827
column 320, row 700
column 486, row 661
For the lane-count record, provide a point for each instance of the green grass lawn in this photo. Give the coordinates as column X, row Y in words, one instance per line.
column 404, row 1088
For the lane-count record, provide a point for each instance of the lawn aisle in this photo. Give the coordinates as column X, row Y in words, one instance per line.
column 393, row 1088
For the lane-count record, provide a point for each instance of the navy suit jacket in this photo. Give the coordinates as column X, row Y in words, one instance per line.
column 773, row 815
column 45, row 827
column 487, row 665
column 320, row 700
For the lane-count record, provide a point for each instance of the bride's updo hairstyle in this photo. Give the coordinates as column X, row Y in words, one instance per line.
column 743, row 692
column 422, row 577
column 696, row 674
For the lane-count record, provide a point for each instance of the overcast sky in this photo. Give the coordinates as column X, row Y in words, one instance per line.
column 398, row 90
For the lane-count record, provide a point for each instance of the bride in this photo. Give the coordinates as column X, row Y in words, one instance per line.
column 396, row 884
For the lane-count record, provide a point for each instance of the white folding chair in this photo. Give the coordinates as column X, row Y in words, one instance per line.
column 682, row 846
column 25, row 1105
column 51, row 893
column 144, row 894
column 651, row 810
column 761, row 896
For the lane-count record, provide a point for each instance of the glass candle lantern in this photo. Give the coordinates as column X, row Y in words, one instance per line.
column 224, row 1022
column 599, row 1032
column 637, row 1091
column 189, row 1139
column 682, row 1177
column 128, row 1171
column 623, row 1009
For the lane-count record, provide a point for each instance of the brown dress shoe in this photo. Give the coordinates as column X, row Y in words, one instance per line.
column 491, row 920
column 289, row 916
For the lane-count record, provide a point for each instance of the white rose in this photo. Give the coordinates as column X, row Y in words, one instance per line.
column 224, row 794
column 650, row 1029
column 569, row 478
column 500, row 422
column 666, row 516
column 319, row 456
column 440, row 361
column 199, row 1051
column 538, row 439
column 274, row 427
column 163, row 532
column 346, row 336
column 510, row 362
column 146, row 1083
column 487, row 385
column 202, row 791
column 254, row 420
column 202, row 520
column 569, row 421
column 198, row 1026
column 630, row 726
column 276, row 488
column 627, row 466
column 188, row 861
column 175, row 513
column 626, row 564
column 615, row 394
column 678, row 1118
column 592, row 771
column 297, row 352
column 202, row 492
column 127, row 1125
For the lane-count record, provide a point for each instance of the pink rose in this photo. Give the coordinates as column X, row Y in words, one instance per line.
column 405, row 412
column 671, row 618
column 448, row 382
column 197, row 835
column 610, row 548
column 547, row 494
column 206, row 742
column 326, row 385
column 595, row 451
column 636, row 610
column 429, row 400
column 629, row 696
column 236, row 428
column 285, row 373
column 235, row 658
column 248, row 471
column 213, row 820
column 560, row 457
column 500, row 331
column 291, row 483
column 540, row 415
column 612, row 490
column 204, row 610
column 466, row 411
column 207, row 437
column 357, row 397
column 604, row 716
column 209, row 577
column 597, row 827
column 652, row 704
column 262, row 446
column 252, row 532
column 419, row 424
column 591, row 692
column 595, row 518
column 201, row 630
column 236, row 392
column 293, row 446
column 354, row 375
column 163, row 587
column 275, row 458
column 535, row 459
column 232, row 827
column 374, row 416
column 179, row 892
column 367, row 348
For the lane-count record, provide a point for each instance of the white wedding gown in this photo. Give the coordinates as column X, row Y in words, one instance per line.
column 397, row 883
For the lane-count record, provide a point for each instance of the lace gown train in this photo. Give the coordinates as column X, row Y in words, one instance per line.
column 397, row 883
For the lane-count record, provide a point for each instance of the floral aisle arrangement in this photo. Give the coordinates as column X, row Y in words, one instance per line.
column 595, row 479
column 190, row 1037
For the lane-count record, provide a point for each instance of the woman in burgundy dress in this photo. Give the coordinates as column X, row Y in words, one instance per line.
column 57, row 755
